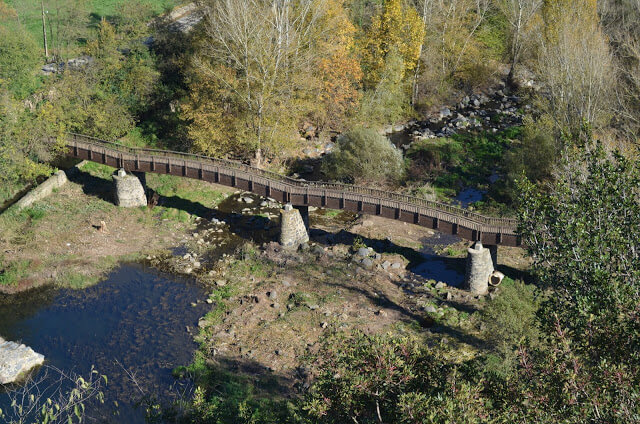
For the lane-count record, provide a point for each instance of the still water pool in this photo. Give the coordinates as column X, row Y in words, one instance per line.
column 132, row 324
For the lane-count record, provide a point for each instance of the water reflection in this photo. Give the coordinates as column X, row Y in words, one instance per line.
column 135, row 321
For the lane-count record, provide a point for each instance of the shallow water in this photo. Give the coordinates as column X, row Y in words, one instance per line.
column 135, row 320
column 437, row 267
column 468, row 196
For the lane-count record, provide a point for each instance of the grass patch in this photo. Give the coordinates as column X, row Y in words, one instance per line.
column 34, row 213
column 31, row 14
column 332, row 213
column 98, row 170
column 11, row 273
column 453, row 252
column 464, row 160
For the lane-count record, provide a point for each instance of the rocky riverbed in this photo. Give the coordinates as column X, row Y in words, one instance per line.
column 495, row 110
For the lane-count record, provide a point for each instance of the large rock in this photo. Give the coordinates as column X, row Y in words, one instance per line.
column 128, row 190
column 16, row 360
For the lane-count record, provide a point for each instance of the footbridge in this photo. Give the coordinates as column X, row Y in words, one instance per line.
column 438, row 216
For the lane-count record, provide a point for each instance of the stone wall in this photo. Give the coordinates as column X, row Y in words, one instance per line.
column 293, row 232
column 479, row 269
column 128, row 190
column 57, row 180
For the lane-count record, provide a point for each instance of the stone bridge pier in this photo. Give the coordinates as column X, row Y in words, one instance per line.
column 128, row 189
column 293, row 231
column 480, row 267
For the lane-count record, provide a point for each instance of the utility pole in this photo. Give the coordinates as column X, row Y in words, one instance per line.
column 44, row 31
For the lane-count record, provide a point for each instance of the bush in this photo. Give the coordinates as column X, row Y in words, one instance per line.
column 19, row 60
column 509, row 321
column 427, row 157
column 375, row 379
column 534, row 157
column 363, row 155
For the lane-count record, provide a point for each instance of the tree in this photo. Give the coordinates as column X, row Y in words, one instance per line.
column 19, row 55
column 519, row 14
column 451, row 53
column 54, row 397
column 214, row 114
column 387, row 102
column 582, row 237
column 575, row 65
column 396, row 29
column 269, row 47
column 338, row 69
column 22, row 150
column 621, row 23
column 363, row 155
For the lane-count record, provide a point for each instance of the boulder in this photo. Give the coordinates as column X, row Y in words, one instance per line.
column 367, row 263
column 16, row 360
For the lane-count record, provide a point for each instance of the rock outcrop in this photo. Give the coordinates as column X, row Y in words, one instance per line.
column 16, row 360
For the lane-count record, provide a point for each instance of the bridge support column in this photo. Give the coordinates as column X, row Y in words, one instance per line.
column 128, row 190
column 494, row 255
column 304, row 213
column 479, row 269
column 293, row 232
column 142, row 176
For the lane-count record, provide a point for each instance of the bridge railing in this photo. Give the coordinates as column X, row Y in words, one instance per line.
column 271, row 177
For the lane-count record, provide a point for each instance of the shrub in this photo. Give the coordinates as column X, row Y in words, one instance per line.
column 432, row 155
column 509, row 321
column 374, row 379
column 364, row 155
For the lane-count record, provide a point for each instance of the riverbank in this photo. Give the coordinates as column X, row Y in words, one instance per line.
column 58, row 240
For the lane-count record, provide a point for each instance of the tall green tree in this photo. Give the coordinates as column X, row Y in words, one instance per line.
column 582, row 236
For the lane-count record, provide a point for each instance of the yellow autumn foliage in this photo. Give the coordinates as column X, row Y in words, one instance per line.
column 396, row 27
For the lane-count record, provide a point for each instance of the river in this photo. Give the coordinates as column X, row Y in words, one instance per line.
column 135, row 320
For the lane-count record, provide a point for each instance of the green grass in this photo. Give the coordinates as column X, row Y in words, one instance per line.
column 13, row 272
column 31, row 14
column 183, row 197
column 332, row 213
column 98, row 170
column 452, row 251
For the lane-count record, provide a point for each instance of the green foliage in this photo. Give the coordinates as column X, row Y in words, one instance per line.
column 493, row 34
column 431, row 156
column 463, row 160
column 22, row 150
column 373, row 379
column 509, row 322
column 582, row 237
column 19, row 60
column 358, row 244
column 364, row 155
column 533, row 157
column 12, row 272
column 227, row 398
column 388, row 100
column 62, row 403
column 58, row 13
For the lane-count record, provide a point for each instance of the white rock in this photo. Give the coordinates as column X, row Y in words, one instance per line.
column 16, row 360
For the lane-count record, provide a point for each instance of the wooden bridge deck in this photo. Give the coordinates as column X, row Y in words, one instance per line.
column 438, row 216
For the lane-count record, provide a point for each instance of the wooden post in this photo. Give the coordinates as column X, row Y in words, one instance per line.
column 44, row 31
